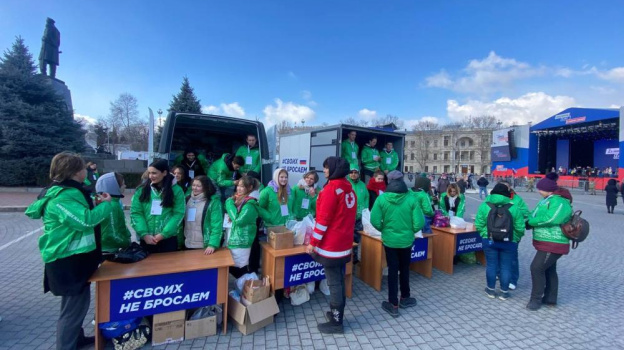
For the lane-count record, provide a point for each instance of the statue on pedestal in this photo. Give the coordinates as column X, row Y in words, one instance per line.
column 50, row 44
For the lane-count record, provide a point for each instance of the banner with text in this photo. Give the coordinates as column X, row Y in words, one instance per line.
column 142, row 296
column 300, row 269
column 295, row 165
column 468, row 242
column 419, row 249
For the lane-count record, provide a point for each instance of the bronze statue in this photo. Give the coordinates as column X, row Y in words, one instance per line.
column 50, row 48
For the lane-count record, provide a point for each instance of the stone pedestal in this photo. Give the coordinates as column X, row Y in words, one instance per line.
column 61, row 89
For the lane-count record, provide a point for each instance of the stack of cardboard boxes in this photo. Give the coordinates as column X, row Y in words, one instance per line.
column 176, row 326
column 256, row 307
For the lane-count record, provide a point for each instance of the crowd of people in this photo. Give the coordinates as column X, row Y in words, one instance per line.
column 195, row 206
column 586, row 171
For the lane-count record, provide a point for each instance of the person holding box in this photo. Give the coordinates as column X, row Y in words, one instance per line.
column 203, row 226
column 157, row 210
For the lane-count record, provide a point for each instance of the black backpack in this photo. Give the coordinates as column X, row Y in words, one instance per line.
column 500, row 223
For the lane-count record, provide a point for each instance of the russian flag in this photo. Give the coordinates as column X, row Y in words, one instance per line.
column 302, row 162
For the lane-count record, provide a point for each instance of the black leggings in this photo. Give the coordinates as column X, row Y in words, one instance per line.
column 610, row 208
column 398, row 260
column 166, row 245
column 544, row 277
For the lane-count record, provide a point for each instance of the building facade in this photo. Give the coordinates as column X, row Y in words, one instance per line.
column 458, row 151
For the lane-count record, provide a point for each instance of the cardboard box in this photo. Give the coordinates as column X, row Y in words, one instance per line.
column 256, row 290
column 204, row 327
column 253, row 317
column 281, row 238
column 168, row 328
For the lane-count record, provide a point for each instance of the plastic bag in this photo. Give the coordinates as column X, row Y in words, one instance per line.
column 457, row 222
column 418, row 234
column 241, row 281
column 302, row 229
column 236, row 295
column 240, row 256
column 324, row 287
column 368, row 227
column 300, row 295
column 202, row 312
column 311, row 286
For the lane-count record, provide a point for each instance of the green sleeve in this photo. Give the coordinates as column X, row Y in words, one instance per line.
column 556, row 213
column 263, row 205
column 203, row 162
column 170, row 228
column 481, row 219
column 519, row 226
column 138, row 215
column 395, row 161
column 376, row 214
column 257, row 161
column 73, row 214
column 367, row 155
column 523, row 208
column 418, row 218
column 179, row 159
column 425, row 203
column 224, row 176
column 291, row 206
column 462, row 206
column 121, row 234
column 213, row 228
column 442, row 206
column 247, row 215
column 344, row 151
column 366, row 198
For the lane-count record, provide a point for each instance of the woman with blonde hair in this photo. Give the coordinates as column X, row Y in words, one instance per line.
column 276, row 200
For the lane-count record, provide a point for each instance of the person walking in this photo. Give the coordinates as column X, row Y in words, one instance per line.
column 462, row 184
column 397, row 215
column 70, row 243
column 115, row 233
column 203, row 225
column 612, row 192
column 530, row 184
column 482, row 183
column 157, row 210
column 500, row 223
column 548, row 240
column 332, row 240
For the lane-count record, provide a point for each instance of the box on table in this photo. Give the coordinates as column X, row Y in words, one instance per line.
column 281, row 238
column 168, row 327
column 204, row 327
column 249, row 319
column 256, row 290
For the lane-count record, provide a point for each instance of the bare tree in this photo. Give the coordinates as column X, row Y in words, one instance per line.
column 124, row 111
column 481, row 122
column 389, row 119
column 355, row 122
column 140, row 135
column 425, row 125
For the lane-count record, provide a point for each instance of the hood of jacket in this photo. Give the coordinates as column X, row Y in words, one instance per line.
column 396, row 186
column 108, row 183
column 228, row 158
column 35, row 210
column 396, row 198
column 498, row 199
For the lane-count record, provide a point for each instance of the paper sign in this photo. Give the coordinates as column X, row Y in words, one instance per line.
column 353, row 155
column 190, row 214
column 192, row 174
column 248, row 160
column 284, row 209
column 388, row 160
column 305, row 203
column 156, row 207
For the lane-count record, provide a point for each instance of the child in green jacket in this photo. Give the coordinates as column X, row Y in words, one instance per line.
column 115, row 233
column 276, row 200
column 242, row 210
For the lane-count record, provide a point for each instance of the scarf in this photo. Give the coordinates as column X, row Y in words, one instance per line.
column 376, row 186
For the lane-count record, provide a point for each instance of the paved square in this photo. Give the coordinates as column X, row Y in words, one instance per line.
column 452, row 313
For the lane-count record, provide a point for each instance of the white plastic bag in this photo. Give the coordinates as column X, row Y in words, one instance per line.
column 324, row 287
column 241, row 281
column 457, row 222
column 368, row 228
column 240, row 256
column 300, row 295
column 311, row 286
column 299, row 228
column 418, row 234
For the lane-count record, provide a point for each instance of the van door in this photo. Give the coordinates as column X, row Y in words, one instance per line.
column 323, row 144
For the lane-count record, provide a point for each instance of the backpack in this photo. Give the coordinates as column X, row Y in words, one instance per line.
column 576, row 229
column 500, row 223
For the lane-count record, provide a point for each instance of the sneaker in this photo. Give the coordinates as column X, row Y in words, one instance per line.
column 391, row 309
column 512, row 286
column 534, row 305
column 504, row 295
column 491, row 293
column 407, row 302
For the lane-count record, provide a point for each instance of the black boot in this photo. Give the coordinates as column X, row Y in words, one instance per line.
column 84, row 341
column 334, row 325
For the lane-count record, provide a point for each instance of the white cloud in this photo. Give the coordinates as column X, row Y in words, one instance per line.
column 367, row 114
column 532, row 107
column 287, row 111
column 292, row 75
column 233, row 109
column 490, row 74
column 410, row 123
column 307, row 95
column 87, row 120
column 614, row 75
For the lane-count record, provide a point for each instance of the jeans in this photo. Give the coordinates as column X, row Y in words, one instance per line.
column 498, row 254
column 336, row 282
column 515, row 269
column 69, row 326
column 482, row 192
column 398, row 260
column 544, row 276
column 427, row 227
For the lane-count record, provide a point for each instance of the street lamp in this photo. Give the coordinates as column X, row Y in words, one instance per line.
column 160, row 112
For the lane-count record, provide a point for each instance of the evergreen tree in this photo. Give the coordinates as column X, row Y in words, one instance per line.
column 34, row 121
column 185, row 100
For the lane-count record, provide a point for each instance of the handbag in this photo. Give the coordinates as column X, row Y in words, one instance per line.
column 131, row 254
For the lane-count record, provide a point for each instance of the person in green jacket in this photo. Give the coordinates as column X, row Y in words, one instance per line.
column 92, row 176
column 363, row 197
column 370, row 159
column 224, row 172
column 499, row 253
column 453, row 203
column 304, row 196
column 389, row 159
column 115, row 233
column 424, row 201
column 524, row 209
column 551, row 244
column 250, row 153
column 242, row 210
column 69, row 243
column 349, row 149
column 203, row 225
column 397, row 215
column 193, row 162
column 276, row 200
column 157, row 210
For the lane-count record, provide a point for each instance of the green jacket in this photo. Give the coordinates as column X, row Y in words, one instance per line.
column 244, row 227
column 94, row 176
column 115, row 233
column 461, row 209
column 398, row 217
column 347, row 151
column 368, row 158
column 424, row 200
column 270, row 208
column 524, row 209
column 389, row 161
column 515, row 210
column 220, row 173
column 200, row 157
column 362, row 195
column 546, row 218
column 167, row 224
column 68, row 222
column 299, row 194
column 244, row 151
column 213, row 223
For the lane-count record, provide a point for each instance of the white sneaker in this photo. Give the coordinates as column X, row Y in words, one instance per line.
column 512, row 286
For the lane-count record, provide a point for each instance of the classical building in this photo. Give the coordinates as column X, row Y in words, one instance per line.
column 449, row 151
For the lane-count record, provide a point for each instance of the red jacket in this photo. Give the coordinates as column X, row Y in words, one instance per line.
column 336, row 208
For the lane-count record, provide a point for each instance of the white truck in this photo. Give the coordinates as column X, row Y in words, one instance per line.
column 303, row 151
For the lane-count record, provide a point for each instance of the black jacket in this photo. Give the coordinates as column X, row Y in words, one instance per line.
column 612, row 191
column 482, row 182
